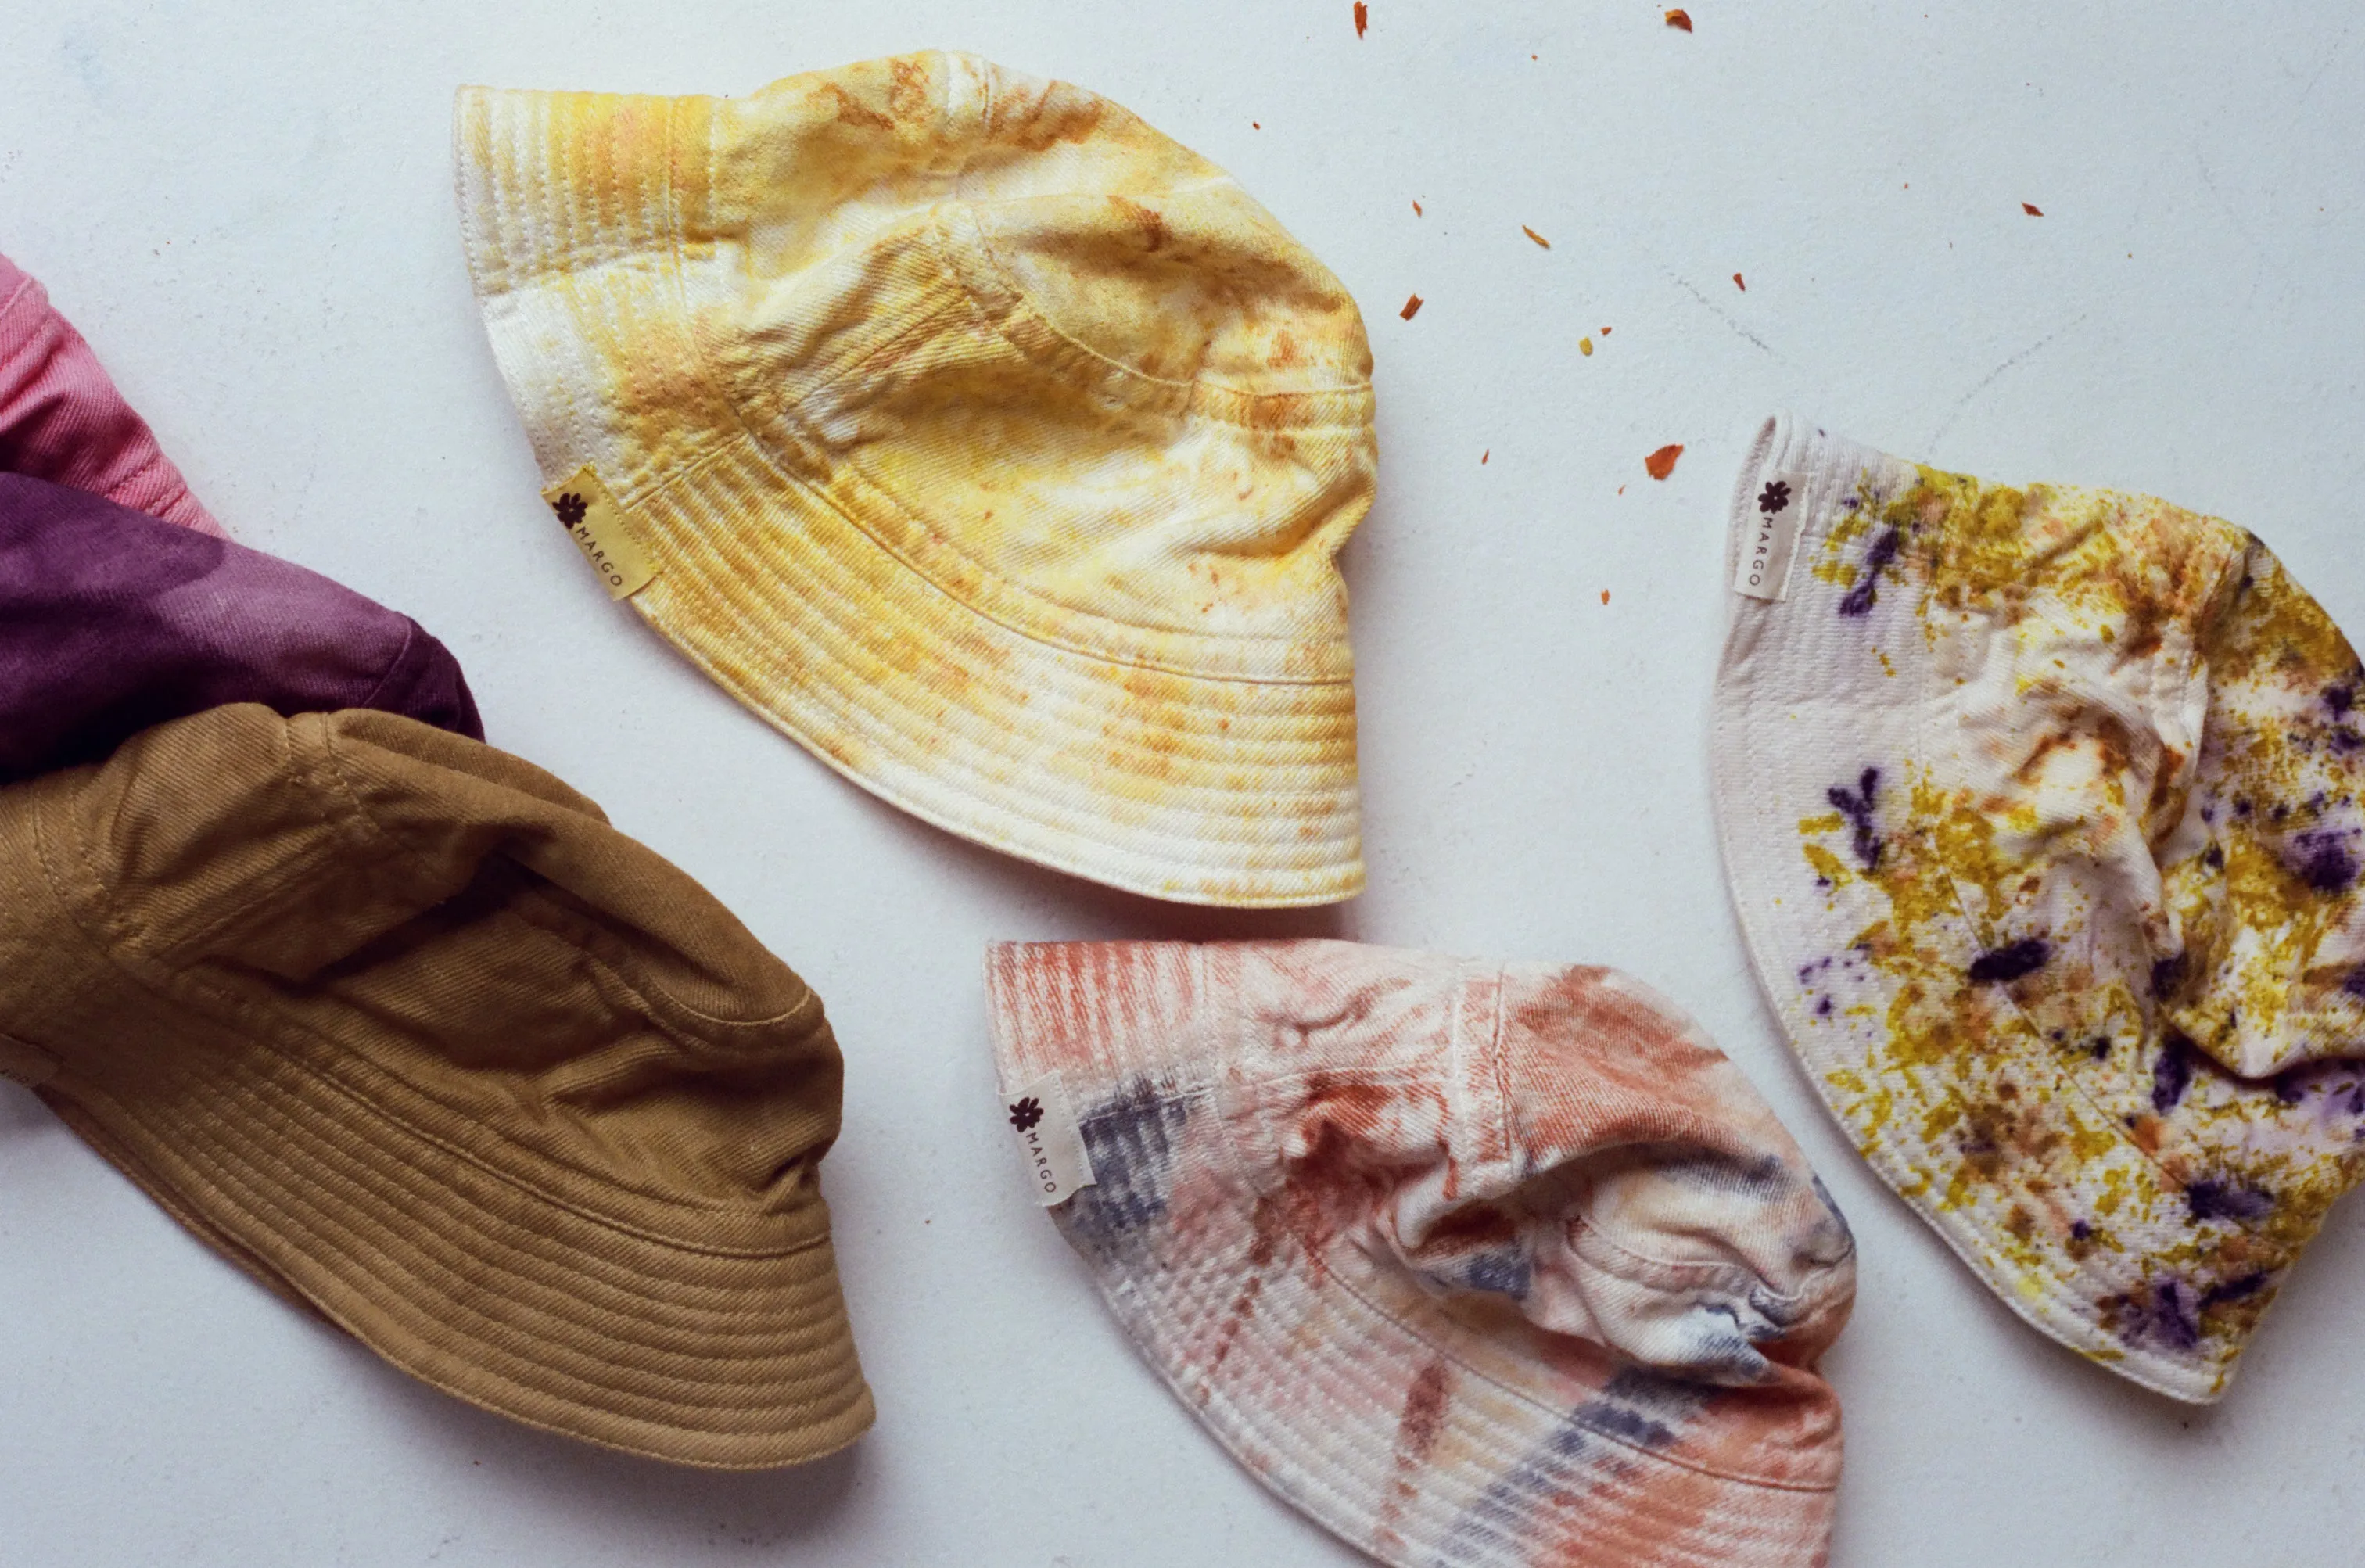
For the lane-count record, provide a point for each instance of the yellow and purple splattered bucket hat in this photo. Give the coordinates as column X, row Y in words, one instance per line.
column 1474, row 1265
column 2042, row 810
column 977, row 436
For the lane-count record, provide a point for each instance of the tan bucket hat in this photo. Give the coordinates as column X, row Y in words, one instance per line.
column 986, row 441
column 400, row 1025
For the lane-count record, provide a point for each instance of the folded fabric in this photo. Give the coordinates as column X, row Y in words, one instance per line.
column 111, row 621
column 62, row 418
column 1474, row 1265
column 404, row 1028
column 972, row 433
column 2042, row 810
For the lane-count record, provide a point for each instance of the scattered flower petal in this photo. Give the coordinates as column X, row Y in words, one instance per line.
column 1484, row 456
column 1415, row 209
column 1536, row 237
column 2031, row 208
column 1662, row 462
column 1362, row 18
column 1739, row 284
column 1412, row 307
column 1584, row 347
column 1680, row 19
column 1605, row 596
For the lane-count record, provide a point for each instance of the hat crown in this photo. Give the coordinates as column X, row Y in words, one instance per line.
column 453, row 930
column 1075, row 354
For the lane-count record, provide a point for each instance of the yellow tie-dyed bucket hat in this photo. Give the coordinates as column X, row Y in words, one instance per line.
column 2044, row 813
column 985, row 441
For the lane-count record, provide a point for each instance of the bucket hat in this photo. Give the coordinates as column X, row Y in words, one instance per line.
column 400, row 1024
column 1474, row 1264
column 62, row 420
column 2041, row 810
column 973, row 434
column 112, row 622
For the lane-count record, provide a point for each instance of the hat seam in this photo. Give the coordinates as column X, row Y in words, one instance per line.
column 993, row 256
column 1224, row 1092
column 1701, row 1266
column 1054, row 608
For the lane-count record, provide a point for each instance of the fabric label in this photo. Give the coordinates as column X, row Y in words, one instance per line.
column 1048, row 1140
column 596, row 523
column 1763, row 569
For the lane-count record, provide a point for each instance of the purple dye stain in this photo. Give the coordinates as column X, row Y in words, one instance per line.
column 1857, row 809
column 1862, row 597
column 2323, row 861
column 2004, row 964
column 2080, row 1231
column 1823, row 1008
column 2208, row 1200
column 2239, row 1289
column 2172, row 1074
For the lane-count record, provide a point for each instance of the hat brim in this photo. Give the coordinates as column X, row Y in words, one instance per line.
column 805, row 602
column 1420, row 1430
column 310, row 1176
column 1799, row 713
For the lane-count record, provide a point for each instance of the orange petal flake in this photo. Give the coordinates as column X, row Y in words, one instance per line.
column 1536, row 237
column 1662, row 462
column 1362, row 18
column 2031, row 208
column 1412, row 307
column 1680, row 19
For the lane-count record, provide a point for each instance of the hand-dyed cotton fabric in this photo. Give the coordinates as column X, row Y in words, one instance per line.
column 111, row 621
column 981, row 439
column 404, row 1028
column 1475, row 1265
column 62, row 418
column 2042, row 809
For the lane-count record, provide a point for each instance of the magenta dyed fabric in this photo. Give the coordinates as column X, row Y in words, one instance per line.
column 111, row 621
column 61, row 420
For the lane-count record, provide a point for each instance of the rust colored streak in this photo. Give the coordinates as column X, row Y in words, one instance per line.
column 1424, row 1415
column 1739, row 284
column 1662, row 462
column 1362, row 18
column 2031, row 208
column 1412, row 307
column 1680, row 19
column 1536, row 237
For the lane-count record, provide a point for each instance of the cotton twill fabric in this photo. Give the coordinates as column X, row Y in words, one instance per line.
column 62, row 420
column 985, row 441
column 1475, row 1265
column 2042, row 809
column 403, row 1027
column 111, row 621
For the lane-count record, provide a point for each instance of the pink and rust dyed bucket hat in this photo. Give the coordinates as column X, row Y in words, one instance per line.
column 1475, row 1265
column 2043, row 808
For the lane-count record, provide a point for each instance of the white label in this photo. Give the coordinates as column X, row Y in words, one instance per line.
column 1048, row 1140
column 1763, row 569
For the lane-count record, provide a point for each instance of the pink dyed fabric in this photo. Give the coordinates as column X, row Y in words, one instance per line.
column 62, row 420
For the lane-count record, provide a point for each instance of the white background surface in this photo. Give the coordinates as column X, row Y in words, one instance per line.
column 246, row 207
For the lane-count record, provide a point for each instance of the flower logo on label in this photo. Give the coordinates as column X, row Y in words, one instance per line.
column 1773, row 497
column 570, row 508
column 1025, row 1113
